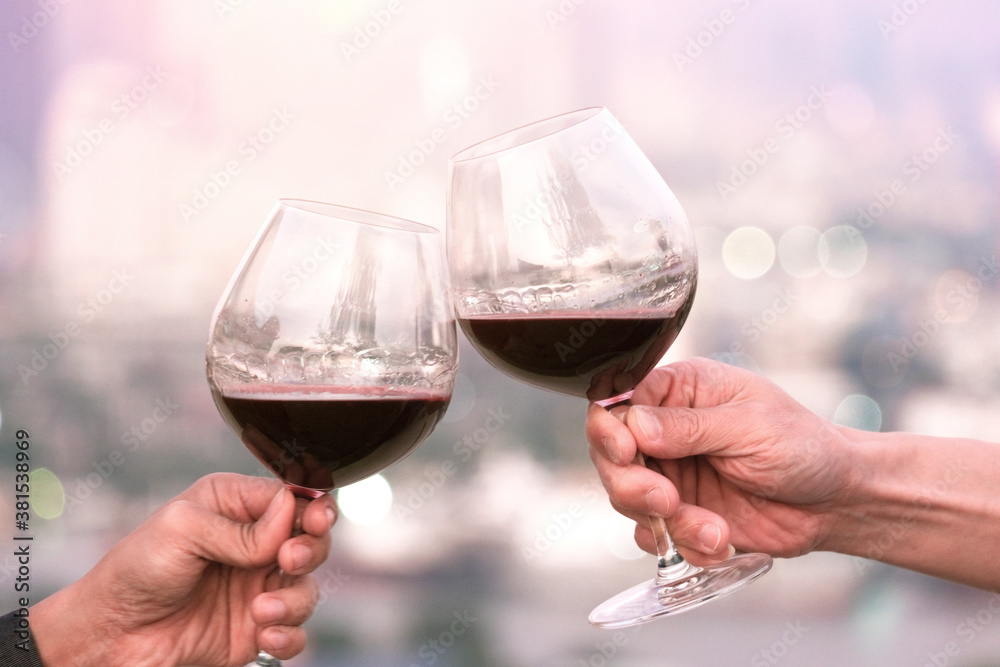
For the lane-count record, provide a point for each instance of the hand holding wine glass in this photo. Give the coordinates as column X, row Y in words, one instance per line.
column 573, row 269
column 333, row 351
column 736, row 460
column 194, row 584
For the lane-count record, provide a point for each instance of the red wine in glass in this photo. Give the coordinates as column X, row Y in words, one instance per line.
column 314, row 438
column 593, row 355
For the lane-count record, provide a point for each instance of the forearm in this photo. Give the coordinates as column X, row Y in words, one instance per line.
column 924, row 503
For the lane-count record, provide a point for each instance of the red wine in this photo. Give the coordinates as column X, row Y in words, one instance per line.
column 322, row 438
column 595, row 355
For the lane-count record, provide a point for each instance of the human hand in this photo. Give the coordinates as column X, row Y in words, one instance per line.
column 732, row 460
column 197, row 583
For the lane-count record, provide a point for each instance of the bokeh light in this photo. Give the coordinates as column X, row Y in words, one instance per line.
column 955, row 297
column 619, row 536
column 842, row 251
column 748, row 252
column 48, row 498
column 859, row 411
column 365, row 502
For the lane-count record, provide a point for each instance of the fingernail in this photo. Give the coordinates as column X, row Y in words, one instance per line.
column 272, row 610
column 648, row 423
column 274, row 506
column 710, row 536
column 300, row 556
column 331, row 515
column 611, row 447
column 656, row 501
column 276, row 640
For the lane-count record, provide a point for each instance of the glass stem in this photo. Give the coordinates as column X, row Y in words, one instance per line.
column 670, row 565
column 265, row 659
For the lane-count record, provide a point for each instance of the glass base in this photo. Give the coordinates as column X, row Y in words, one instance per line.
column 266, row 660
column 695, row 587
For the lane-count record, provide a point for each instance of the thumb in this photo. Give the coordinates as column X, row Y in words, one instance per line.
column 246, row 545
column 673, row 433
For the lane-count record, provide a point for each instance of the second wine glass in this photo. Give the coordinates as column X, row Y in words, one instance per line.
column 573, row 269
column 332, row 352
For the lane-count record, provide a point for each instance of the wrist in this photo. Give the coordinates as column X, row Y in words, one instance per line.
column 67, row 632
column 74, row 627
column 872, row 494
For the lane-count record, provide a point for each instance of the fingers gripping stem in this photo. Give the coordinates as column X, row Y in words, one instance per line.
column 669, row 563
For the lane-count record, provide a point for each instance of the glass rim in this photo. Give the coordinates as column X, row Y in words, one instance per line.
column 534, row 131
column 357, row 215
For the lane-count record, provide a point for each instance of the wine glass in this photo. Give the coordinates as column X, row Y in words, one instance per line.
column 573, row 269
column 333, row 351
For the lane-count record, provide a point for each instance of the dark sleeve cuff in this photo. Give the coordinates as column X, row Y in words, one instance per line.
column 17, row 646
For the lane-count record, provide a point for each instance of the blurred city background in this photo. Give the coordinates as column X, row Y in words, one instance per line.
column 838, row 161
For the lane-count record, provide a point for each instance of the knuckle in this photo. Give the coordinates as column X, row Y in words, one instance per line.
column 209, row 482
column 176, row 515
column 687, row 424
